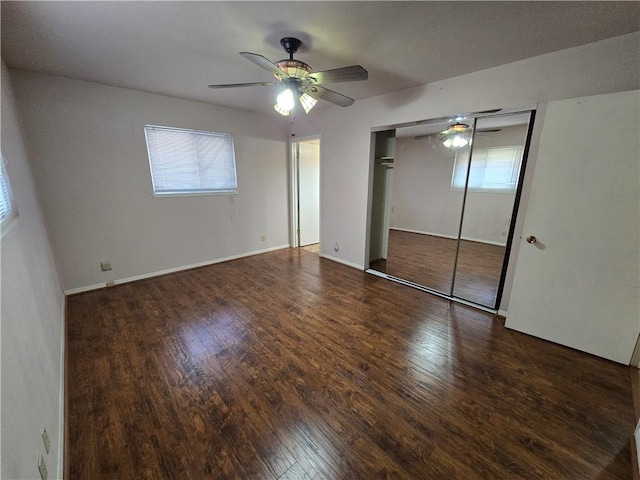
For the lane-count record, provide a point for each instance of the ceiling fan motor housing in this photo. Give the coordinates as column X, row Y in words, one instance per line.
column 291, row 67
column 290, row 45
column 294, row 68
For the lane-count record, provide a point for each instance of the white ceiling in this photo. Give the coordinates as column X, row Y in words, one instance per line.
column 178, row 48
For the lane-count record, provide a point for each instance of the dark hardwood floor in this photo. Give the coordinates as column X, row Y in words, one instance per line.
column 289, row 366
column 429, row 261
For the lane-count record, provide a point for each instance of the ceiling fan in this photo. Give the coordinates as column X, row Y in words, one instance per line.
column 458, row 135
column 301, row 85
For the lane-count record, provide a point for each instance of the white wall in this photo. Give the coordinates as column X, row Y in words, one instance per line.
column 32, row 320
column 607, row 66
column 422, row 199
column 87, row 146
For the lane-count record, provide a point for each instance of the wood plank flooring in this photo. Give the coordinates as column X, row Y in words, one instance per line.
column 429, row 261
column 289, row 366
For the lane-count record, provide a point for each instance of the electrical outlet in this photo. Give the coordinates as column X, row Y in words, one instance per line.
column 495, row 232
column 45, row 440
column 42, row 468
column 504, row 233
column 263, row 237
column 105, row 265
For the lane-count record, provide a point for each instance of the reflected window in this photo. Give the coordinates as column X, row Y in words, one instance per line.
column 492, row 169
column 8, row 212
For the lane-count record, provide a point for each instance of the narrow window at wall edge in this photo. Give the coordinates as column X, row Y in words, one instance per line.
column 190, row 162
column 8, row 211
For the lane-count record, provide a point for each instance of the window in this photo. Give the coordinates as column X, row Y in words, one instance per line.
column 492, row 169
column 191, row 162
column 8, row 211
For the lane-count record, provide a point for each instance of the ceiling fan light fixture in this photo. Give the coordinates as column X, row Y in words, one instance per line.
column 307, row 102
column 285, row 102
column 456, row 136
column 281, row 110
column 457, row 141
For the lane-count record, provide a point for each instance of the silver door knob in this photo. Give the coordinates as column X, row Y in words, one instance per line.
column 531, row 239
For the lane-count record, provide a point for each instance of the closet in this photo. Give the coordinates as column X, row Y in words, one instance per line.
column 444, row 193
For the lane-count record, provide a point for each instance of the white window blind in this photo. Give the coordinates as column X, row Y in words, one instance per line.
column 190, row 161
column 7, row 208
column 492, row 169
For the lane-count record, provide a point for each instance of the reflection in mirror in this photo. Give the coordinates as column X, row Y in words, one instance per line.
column 426, row 212
column 496, row 159
column 428, row 225
column 381, row 199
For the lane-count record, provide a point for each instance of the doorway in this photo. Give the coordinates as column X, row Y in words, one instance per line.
column 305, row 188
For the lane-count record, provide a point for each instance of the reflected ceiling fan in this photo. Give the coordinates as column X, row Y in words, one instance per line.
column 458, row 135
column 301, row 85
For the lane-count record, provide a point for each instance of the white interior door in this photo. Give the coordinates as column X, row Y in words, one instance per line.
column 309, row 192
column 578, row 285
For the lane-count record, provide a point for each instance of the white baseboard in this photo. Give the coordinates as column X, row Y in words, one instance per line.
column 451, row 237
column 488, row 242
column 433, row 234
column 502, row 313
column 344, row 262
column 171, row 270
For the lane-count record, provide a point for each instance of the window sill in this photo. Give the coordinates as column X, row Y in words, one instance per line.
column 193, row 194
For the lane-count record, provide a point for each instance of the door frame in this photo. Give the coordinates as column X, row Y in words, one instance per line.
column 294, row 184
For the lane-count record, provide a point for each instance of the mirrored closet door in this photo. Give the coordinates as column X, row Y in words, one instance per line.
column 444, row 196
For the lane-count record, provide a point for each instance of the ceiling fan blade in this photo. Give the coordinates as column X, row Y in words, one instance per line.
column 318, row 92
column 234, row 85
column 264, row 62
column 344, row 74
